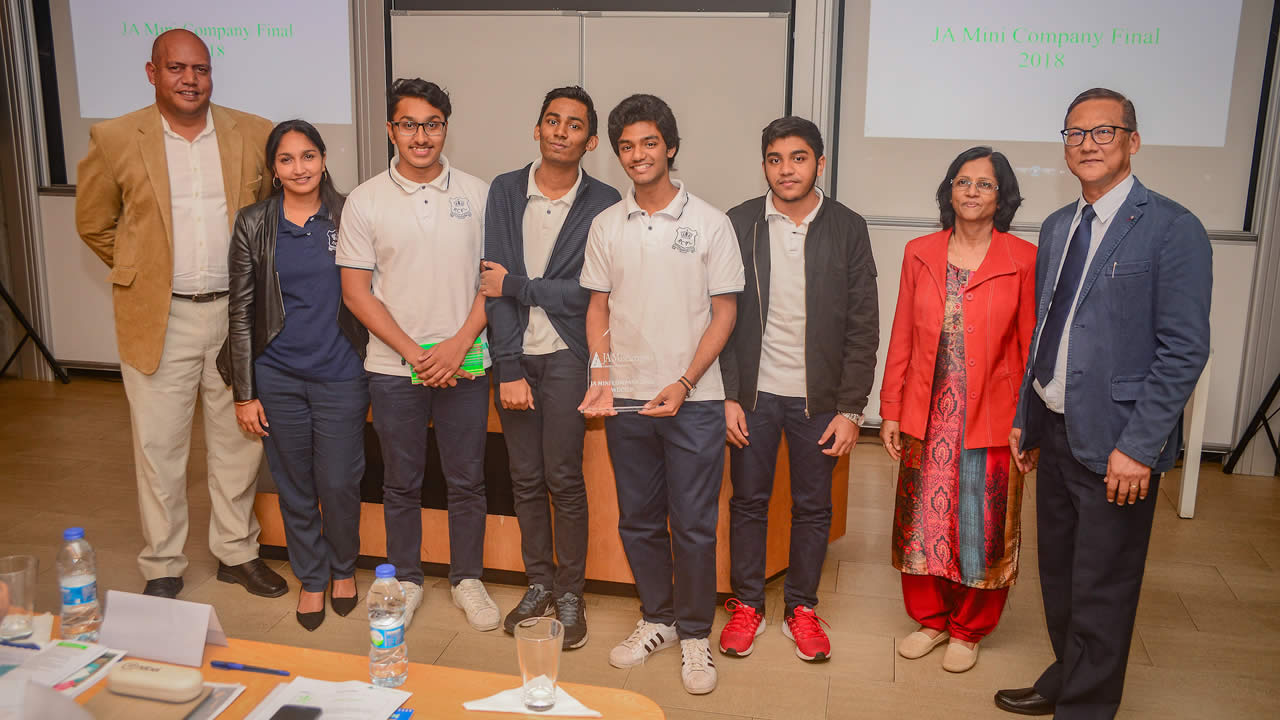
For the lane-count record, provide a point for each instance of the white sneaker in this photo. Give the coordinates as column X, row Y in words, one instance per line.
column 412, row 599
column 482, row 611
column 697, row 668
column 647, row 639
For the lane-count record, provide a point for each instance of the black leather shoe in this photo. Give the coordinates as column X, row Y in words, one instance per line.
column 165, row 587
column 1024, row 701
column 255, row 576
column 344, row 605
column 310, row 620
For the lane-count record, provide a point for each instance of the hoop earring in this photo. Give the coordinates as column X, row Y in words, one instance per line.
column 275, row 182
column 324, row 174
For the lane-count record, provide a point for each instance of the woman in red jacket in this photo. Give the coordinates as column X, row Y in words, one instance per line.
column 966, row 309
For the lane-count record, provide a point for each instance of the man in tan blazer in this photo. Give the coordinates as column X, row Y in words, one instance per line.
column 157, row 196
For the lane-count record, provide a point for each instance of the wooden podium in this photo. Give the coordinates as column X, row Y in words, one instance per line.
column 605, row 558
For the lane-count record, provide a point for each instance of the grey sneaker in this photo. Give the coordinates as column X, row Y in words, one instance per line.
column 647, row 639
column 572, row 613
column 535, row 603
column 697, row 667
column 471, row 597
column 412, row 599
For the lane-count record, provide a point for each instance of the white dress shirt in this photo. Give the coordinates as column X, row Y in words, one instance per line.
column 1054, row 394
column 543, row 218
column 201, row 226
column 782, row 368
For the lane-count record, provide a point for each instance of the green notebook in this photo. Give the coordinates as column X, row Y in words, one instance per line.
column 472, row 363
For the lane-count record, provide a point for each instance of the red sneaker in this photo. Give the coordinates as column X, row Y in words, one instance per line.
column 739, row 634
column 812, row 643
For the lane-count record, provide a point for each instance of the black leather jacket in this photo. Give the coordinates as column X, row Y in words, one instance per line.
column 256, row 308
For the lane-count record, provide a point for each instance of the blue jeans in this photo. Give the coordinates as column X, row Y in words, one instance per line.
column 669, row 470
column 752, row 470
column 315, row 449
column 460, row 414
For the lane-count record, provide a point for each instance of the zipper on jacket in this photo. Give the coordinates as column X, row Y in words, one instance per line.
column 755, row 269
column 280, row 297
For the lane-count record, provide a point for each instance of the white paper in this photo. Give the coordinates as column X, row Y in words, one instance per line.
column 160, row 629
column 86, row 676
column 58, row 660
column 11, row 657
column 41, row 629
column 512, row 701
column 350, row 700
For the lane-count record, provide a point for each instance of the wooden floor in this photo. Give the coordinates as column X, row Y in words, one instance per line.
column 1207, row 643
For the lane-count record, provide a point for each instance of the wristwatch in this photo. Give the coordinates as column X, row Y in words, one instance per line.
column 855, row 418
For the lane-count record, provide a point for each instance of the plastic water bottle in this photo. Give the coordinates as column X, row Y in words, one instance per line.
column 78, row 579
column 388, row 652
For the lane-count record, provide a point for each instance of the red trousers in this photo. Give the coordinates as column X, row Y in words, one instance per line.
column 969, row 614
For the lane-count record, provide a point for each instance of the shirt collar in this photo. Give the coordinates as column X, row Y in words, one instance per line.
column 531, row 190
column 321, row 215
column 1106, row 206
column 441, row 182
column 770, row 211
column 673, row 210
column 208, row 128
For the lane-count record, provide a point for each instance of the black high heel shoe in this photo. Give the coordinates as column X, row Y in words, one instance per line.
column 310, row 620
column 343, row 605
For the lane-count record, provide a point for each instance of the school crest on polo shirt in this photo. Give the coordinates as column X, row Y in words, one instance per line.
column 333, row 239
column 459, row 208
column 686, row 240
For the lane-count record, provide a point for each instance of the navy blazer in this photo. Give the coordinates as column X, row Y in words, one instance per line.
column 1140, row 336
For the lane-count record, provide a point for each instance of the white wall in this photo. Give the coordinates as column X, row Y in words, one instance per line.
column 79, row 294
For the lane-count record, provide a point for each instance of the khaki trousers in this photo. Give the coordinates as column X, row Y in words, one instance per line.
column 161, row 408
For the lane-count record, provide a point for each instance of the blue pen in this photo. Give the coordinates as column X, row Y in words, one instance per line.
column 219, row 664
column 24, row 646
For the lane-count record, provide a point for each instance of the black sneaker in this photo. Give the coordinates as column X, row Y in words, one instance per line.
column 572, row 613
column 535, row 603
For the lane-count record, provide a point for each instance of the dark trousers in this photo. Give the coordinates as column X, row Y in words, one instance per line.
column 544, row 445
column 315, row 449
column 1092, row 556
column 670, row 470
column 401, row 411
column 752, row 470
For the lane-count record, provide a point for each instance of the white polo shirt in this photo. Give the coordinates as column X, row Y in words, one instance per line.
column 543, row 219
column 198, row 202
column 782, row 368
column 423, row 243
column 660, row 272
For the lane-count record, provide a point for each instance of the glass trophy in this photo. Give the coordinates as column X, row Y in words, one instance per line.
column 624, row 368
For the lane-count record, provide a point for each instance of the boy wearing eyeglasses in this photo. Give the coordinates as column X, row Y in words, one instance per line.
column 410, row 248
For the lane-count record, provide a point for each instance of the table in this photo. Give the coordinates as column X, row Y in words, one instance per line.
column 438, row 692
column 606, row 560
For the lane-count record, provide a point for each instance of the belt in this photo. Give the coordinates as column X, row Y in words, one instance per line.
column 203, row 297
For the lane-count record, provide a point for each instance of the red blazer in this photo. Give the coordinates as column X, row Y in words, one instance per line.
column 999, row 315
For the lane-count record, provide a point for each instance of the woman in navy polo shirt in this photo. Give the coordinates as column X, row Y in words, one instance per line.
column 294, row 359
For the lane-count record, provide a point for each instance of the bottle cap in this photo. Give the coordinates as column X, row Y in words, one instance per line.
column 73, row 533
column 385, row 570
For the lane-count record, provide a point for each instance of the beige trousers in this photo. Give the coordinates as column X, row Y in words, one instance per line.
column 161, row 408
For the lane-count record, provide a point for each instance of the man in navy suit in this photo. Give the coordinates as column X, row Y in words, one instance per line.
column 1123, row 278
